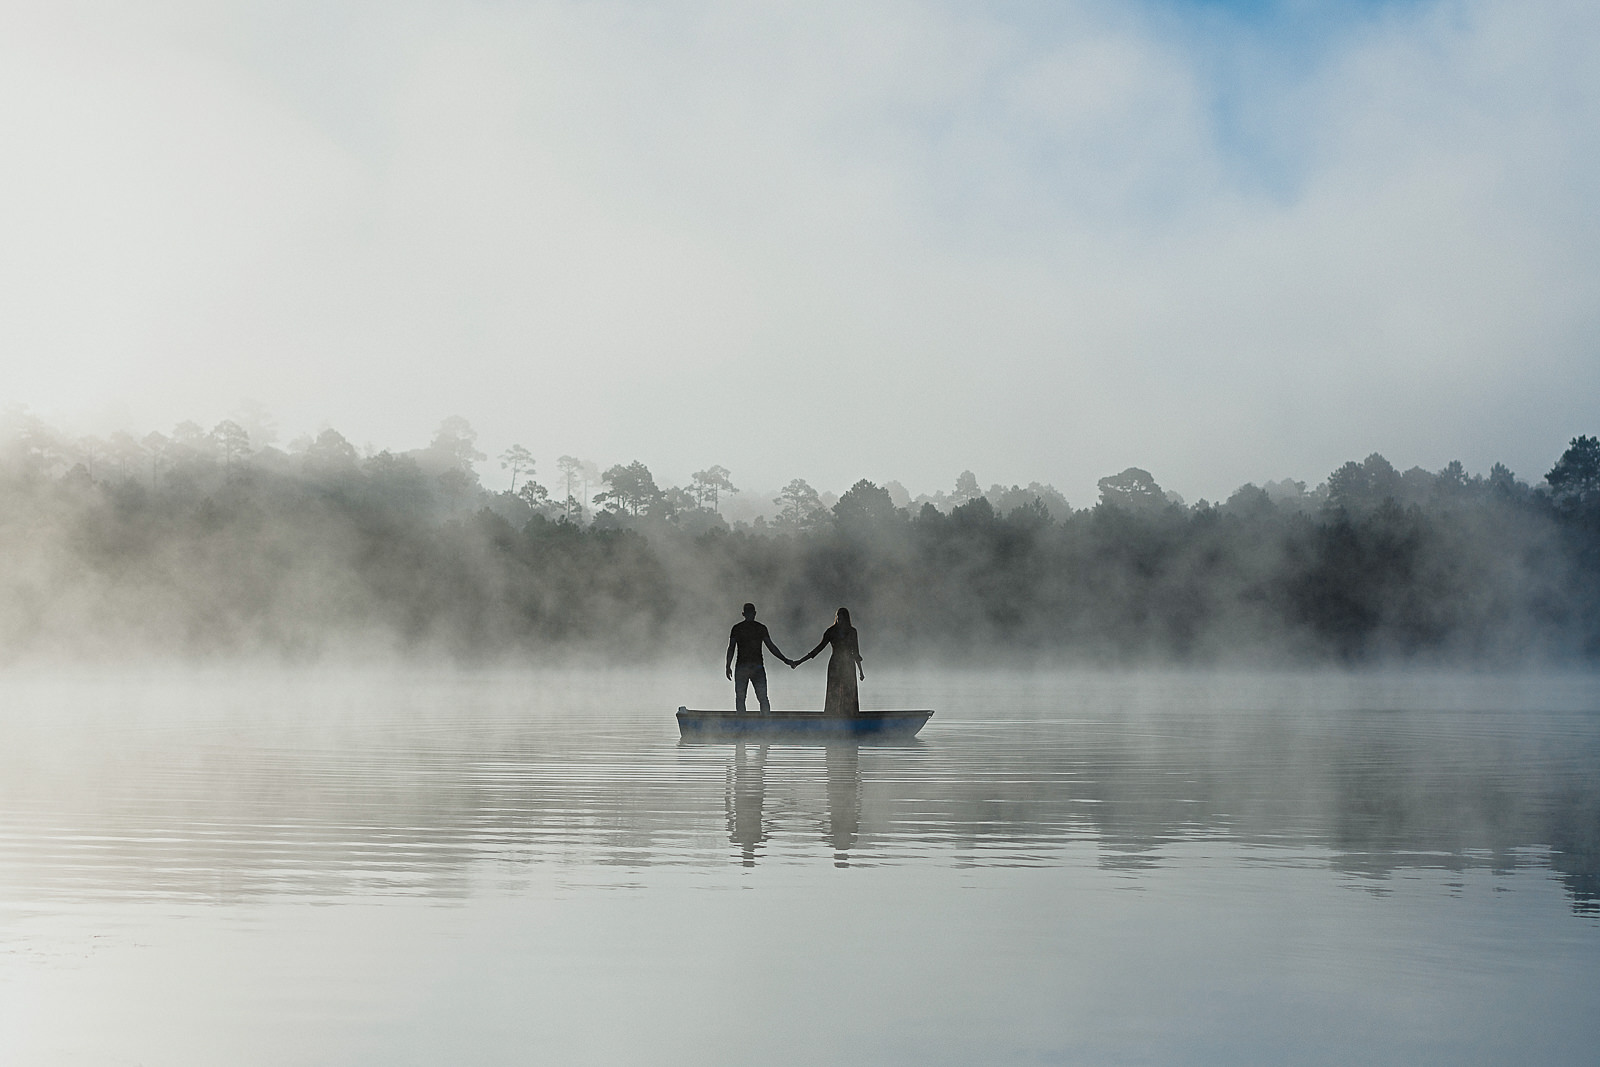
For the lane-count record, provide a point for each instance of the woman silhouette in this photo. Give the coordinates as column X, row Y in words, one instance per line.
column 842, row 698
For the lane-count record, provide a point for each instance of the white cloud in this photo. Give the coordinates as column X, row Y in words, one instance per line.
column 816, row 240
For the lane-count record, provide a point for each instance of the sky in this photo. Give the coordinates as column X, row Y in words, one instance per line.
column 1224, row 242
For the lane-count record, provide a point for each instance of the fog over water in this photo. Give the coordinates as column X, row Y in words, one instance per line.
column 397, row 866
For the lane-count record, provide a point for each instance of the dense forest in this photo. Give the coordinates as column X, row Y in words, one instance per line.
column 209, row 543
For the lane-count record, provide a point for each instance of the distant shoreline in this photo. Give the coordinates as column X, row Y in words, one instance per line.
column 200, row 546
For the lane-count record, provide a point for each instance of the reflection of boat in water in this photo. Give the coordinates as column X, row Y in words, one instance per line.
column 800, row 723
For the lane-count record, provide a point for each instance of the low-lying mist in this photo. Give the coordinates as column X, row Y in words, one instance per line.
column 202, row 545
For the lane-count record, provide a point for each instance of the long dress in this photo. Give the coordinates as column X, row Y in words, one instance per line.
column 842, row 697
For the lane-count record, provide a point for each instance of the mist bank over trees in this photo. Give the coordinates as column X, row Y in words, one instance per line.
column 207, row 543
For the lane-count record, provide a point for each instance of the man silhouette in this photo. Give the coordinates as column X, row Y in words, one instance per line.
column 745, row 640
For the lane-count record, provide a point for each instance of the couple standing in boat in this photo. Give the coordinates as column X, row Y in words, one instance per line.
column 745, row 667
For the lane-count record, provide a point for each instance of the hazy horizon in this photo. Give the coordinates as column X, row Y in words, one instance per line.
column 742, row 503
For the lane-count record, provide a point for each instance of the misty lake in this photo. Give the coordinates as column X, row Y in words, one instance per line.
column 487, row 867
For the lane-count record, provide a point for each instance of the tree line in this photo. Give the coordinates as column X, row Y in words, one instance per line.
column 212, row 543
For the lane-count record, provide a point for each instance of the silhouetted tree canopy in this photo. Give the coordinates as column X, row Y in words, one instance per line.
column 710, row 484
column 632, row 489
column 800, row 507
column 330, row 454
column 1576, row 476
column 865, row 507
column 454, row 444
column 208, row 542
column 1358, row 487
column 1134, row 489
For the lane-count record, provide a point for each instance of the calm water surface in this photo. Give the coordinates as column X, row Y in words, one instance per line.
column 529, row 867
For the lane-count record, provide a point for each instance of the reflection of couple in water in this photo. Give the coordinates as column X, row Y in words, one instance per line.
column 745, row 666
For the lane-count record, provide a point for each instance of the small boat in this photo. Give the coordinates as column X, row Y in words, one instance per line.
column 800, row 723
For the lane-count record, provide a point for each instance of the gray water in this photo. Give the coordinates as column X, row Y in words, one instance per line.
column 529, row 867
